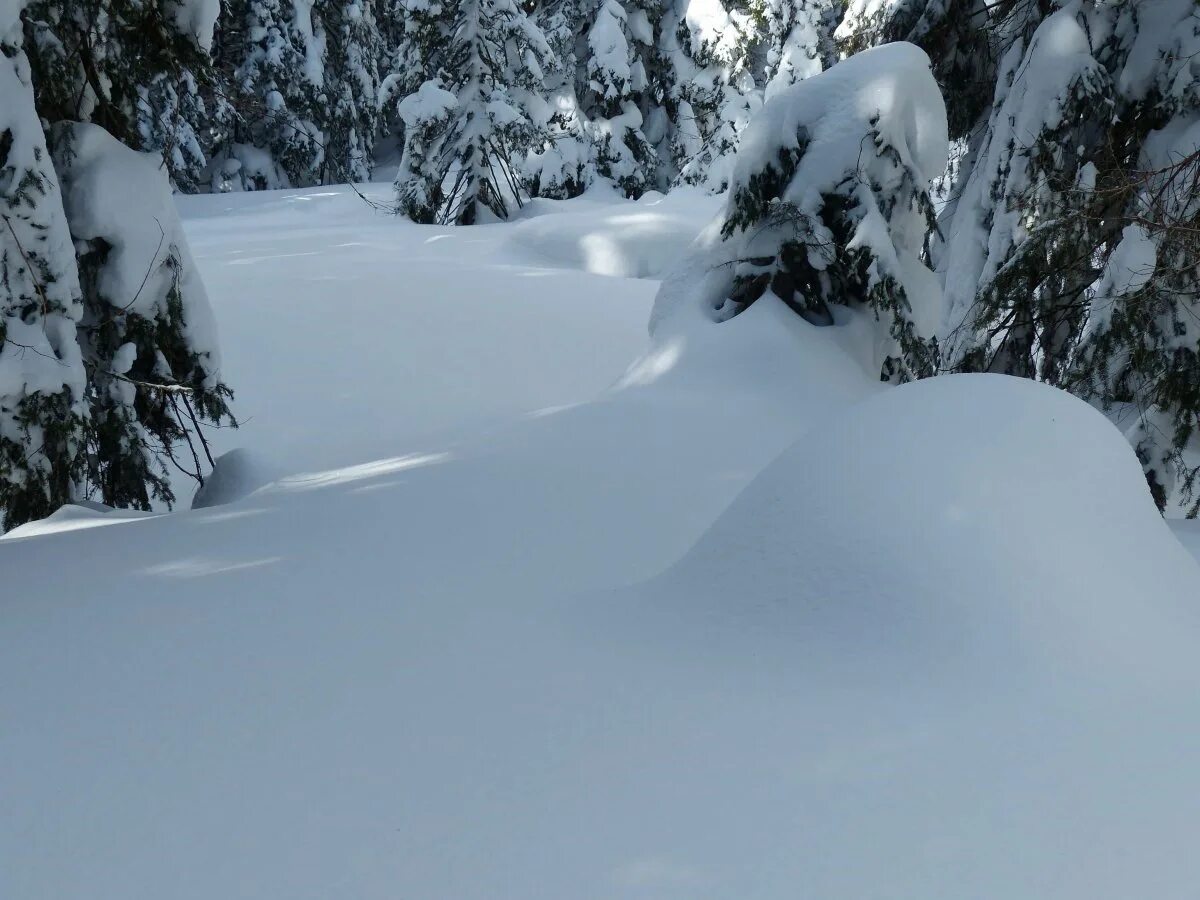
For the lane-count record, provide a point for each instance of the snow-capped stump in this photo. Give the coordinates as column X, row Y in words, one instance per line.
column 953, row 515
column 829, row 205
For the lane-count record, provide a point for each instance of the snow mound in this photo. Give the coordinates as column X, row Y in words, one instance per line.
column 977, row 516
column 235, row 475
column 642, row 240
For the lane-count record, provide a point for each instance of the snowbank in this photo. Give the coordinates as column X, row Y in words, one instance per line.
column 643, row 240
column 978, row 517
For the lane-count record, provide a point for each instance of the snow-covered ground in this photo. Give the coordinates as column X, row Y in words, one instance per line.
column 527, row 605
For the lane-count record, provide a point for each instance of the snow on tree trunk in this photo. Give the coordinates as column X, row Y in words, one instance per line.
column 41, row 370
column 147, row 332
column 829, row 203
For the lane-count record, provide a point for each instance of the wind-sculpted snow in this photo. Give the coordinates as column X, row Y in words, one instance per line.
column 409, row 667
column 634, row 241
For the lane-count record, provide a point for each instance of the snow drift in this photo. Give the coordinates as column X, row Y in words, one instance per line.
column 995, row 509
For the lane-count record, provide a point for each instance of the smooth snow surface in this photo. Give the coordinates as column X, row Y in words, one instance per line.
column 510, row 623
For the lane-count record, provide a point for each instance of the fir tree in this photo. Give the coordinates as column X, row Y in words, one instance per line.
column 793, row 40
column 351, row 120
column 146, row 334
column 564, row 166
column 829, row 204
column 41, row 370
column 710, row 90
column 139, row 69
column 468, row 132
column 1141, row 345
column 615, row 97
column 272, row 59
column 954, row 33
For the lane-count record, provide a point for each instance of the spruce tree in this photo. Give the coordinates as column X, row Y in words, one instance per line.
column 41, row 370
column 615, row 96
column 351, row 88
column 271, row 56
column 468, row 132
column 139, row 69
column 829, row 203
column 146, row 334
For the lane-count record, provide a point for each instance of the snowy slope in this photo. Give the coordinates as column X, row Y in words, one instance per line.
column 519, row 619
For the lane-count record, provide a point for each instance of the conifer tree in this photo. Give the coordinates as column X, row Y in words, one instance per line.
column 108, row 361
column 829, row 203
column 468, row 132
column 41, row 370
column 564, row 165
column 272, row 59
column 146, row 334
column 139, row 69
column 351, row 79
column 615, row 97
column 1141, row 344
column 710, row 87
column 792, row 40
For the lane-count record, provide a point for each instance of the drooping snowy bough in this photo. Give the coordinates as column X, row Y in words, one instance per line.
column 829, row 207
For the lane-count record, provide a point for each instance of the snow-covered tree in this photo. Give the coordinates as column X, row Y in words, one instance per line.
column 147, row 335
column 413, row 37
column 564, row 165
column 351, row 123
column 829, row 203
column 711, row 94
column 793, row 40
column 468, row 132
column 615, row 93
column 271, row 55
column 1141, row 344
column 954, row 33
column 108, row 361
column 41, row 370
column 1024, row 232
column 139, row 69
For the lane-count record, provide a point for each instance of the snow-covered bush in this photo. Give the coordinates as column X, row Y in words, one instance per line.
column 829, row 204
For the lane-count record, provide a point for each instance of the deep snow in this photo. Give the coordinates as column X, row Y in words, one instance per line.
column 515, row 618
